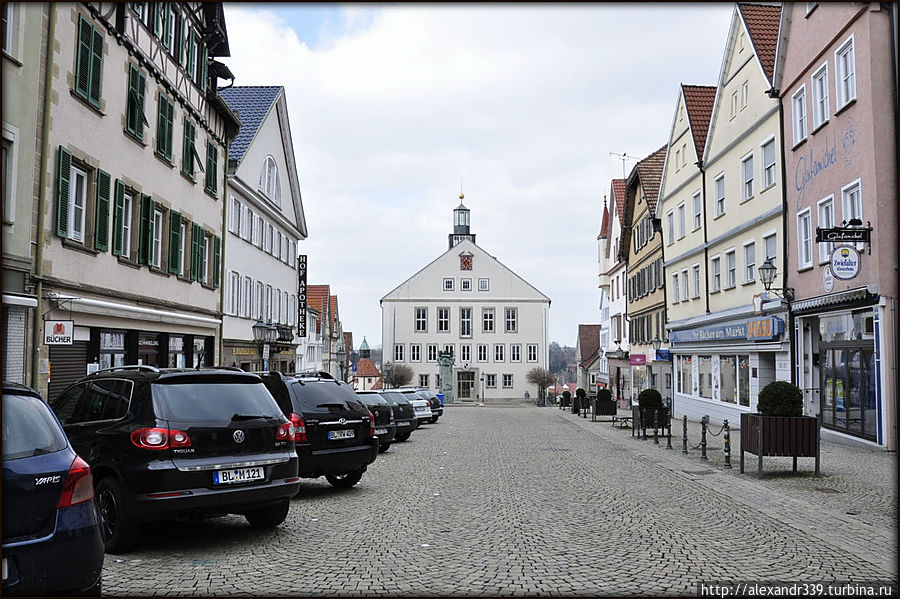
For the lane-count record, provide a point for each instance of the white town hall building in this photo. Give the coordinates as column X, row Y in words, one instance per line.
column 466, row 302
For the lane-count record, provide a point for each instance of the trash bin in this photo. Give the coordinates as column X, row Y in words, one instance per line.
column 440, row 396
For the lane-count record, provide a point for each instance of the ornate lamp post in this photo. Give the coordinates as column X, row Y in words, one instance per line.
column 264, row 334
column 388, row 367
column 767, row 274
column 341, row 356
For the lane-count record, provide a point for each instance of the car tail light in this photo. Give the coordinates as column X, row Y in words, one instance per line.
column 371, row 424
column 160, row 438
column 79, row 485
column 299, row 428
column 391, row 412
column 285, row 432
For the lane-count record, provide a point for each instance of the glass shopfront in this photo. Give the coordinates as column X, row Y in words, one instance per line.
column 847, row 373
column 112, row 349
column 176, row 351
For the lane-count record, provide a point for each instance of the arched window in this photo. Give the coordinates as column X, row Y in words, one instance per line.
column 268, row 180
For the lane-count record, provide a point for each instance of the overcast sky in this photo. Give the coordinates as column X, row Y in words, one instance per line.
column 391, row 106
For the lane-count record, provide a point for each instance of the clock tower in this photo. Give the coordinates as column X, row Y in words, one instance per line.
column 460, row 224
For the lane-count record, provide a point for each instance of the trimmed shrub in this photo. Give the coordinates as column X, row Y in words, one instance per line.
column 580, row 393
column 780, row 398
column 566, row 394
column 650, row 398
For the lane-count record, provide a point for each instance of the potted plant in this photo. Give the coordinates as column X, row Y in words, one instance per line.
column 580, row 401
column 604, row 404
column 780, row 428
column 651, row 412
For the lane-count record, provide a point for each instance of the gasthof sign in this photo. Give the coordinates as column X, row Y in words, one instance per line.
column 59, row 332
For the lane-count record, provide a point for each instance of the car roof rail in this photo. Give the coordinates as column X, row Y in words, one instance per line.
column 139, row 367
column 315, row 373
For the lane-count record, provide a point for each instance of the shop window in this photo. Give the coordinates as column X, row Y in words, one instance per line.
column 704, row 372
column 112, row 349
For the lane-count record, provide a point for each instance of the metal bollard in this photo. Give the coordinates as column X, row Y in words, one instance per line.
column 669, row 432
column 684, row 437
column 703, row 422
column 726, row 437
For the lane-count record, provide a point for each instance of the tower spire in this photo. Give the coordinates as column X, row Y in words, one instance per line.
column 461, row 221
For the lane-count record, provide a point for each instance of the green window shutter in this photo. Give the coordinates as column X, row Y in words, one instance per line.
column 157, row 18
column 83, row 63
column 170, row 128
column 146, row 229
column 101, row 231
column 96, row 68
column 217, row 251
column 134, row 118
column 174, row 242
column 182, row 21
column 167, row 24
column 187, row 155
column 190, row 52
column 164, row 128
column 201, row 82
column 195, row 252
column 212, row 164
column 118, row 218
column 62, row 192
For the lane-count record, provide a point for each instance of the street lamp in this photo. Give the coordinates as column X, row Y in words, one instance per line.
column 341, row 356
column 387, row 373
column 482, row 388
column 767, row 274
column 264, row 334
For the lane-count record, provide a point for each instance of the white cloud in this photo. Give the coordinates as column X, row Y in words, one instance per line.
column 524, row 102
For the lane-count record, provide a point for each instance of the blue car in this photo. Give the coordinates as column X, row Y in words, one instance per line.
column 52, row 543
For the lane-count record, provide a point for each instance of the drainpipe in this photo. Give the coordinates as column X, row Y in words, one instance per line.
column 700, row 166
column 42, row 196
column 776, row 94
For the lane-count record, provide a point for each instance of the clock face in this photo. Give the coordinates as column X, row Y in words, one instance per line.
column 465, row 262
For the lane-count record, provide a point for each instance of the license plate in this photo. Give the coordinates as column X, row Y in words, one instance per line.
column 403, row 423
column 380, row 431
column 238, row 475
column 341, row 434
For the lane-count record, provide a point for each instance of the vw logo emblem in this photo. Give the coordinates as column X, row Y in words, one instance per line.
column 239, row 436
column 342, row 421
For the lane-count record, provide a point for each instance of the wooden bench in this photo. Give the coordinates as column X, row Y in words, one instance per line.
column 623, row 421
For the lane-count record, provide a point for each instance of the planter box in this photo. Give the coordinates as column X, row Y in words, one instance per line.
column 782, row 436
column 603, row 407
column 658, row 419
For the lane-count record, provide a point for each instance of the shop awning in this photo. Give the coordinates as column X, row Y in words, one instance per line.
column 852, row 297
column 19, row 300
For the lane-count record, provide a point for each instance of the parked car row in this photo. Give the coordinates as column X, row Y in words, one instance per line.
column 130, row 445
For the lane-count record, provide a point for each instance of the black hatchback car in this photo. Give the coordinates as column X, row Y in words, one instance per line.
column 437, row 408
column 49, row 514
column 335, row 431
column 385, row 428
column 168, row 443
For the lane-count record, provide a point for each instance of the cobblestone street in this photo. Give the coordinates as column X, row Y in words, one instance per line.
column 524, row 501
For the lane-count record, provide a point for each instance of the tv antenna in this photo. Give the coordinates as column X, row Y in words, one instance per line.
column 623, row 157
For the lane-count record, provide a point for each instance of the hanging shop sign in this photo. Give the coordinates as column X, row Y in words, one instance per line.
column 845, row 262
column 59, row 332
column 638, row 359
column 827, row 279
column 301, row 295
column 843, row 234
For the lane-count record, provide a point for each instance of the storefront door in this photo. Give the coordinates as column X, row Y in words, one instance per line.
column 848, row 389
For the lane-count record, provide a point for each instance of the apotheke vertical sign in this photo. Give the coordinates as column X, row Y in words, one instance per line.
column 301, row 295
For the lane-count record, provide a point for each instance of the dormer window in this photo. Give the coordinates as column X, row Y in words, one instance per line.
column 268, row 181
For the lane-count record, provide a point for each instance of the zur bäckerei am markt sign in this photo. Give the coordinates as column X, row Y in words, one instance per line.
column 760, row 329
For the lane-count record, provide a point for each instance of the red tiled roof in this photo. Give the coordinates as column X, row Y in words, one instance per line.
column 698, row 102
column 316, row 297
column 762, row 22
column 604, row 224
column 618, row 196
column 588, row 343
column 650, row 172
column 366, row 367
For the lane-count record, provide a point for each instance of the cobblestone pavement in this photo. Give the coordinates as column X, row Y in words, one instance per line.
column 525, row 501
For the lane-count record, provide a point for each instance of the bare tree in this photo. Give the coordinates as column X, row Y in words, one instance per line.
column 542, row 378
column 400, row 375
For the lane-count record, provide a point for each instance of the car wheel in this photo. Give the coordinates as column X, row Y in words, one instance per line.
column 401, row 437
column 383, row 447
column 344, row 481
column 120, row 532
column 434, row 419
column 94, row 591
column 269, row 516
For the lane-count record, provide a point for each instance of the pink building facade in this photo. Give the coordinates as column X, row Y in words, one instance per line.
column 835, row 74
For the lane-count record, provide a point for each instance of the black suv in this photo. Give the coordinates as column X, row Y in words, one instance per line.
column 335, row 432
column 385, row 428
column 165, row 443
column 404, row 415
